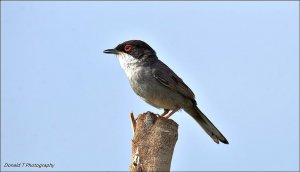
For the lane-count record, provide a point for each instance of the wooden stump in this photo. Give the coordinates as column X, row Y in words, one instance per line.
column 153, row 143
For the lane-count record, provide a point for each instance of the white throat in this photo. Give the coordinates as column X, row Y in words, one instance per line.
column 128, row 63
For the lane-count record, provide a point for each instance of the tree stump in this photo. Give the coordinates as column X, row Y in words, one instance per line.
column 153, row 143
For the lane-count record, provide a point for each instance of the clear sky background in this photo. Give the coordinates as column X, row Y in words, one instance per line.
column 65, row 102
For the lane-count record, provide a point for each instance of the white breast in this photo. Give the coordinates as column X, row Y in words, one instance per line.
column 128, row 63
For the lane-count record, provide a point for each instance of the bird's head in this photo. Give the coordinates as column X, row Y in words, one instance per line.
column 137, row 49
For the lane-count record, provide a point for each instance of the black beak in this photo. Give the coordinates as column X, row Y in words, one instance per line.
column 110, row 51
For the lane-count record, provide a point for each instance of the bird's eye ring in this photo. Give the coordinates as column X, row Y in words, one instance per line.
column 127, row 48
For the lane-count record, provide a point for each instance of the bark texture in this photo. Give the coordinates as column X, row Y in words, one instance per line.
column 153, row 143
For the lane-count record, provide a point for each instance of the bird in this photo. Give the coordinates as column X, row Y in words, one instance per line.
column 158, row 85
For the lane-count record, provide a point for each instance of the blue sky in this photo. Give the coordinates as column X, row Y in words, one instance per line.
column 65, row 102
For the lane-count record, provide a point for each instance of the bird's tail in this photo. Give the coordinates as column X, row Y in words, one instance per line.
column 205, row 123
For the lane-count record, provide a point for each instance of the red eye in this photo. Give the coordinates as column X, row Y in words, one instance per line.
column 127, row 48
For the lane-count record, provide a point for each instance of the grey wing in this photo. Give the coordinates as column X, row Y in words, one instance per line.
column 168, row 78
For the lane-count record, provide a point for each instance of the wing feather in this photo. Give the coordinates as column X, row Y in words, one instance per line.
column 168, row 78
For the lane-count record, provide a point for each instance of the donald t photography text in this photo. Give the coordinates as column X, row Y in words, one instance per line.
column 30, row 165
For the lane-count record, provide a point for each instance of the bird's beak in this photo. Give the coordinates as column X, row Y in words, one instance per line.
column 111, row 51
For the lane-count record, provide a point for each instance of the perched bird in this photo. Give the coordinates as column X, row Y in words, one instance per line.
column 158, row 85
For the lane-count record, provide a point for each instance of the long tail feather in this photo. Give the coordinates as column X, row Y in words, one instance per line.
column 207, row 125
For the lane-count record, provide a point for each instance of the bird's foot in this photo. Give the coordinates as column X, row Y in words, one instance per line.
column 165, row 112
column 171, row 113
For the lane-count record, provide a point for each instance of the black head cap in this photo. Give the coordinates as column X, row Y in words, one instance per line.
column 136, row 48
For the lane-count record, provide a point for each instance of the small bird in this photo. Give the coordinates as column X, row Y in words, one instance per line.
column 158, row 85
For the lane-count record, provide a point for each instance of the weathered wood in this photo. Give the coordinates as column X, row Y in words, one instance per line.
column 133, row 122
column 153, row 143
